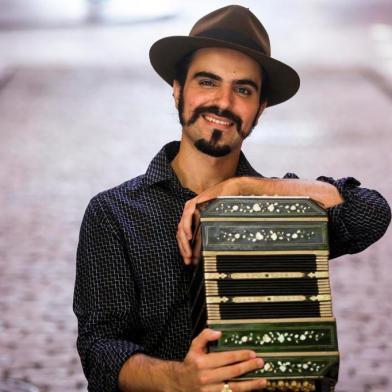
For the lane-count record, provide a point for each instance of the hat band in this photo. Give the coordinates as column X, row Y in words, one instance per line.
column 231, row 37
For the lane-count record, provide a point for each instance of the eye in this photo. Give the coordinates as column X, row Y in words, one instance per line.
column 207, row 82
column 243, row 90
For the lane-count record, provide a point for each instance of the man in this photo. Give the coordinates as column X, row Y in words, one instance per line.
column 131, row 285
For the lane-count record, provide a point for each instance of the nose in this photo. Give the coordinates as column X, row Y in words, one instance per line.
column 224, row 97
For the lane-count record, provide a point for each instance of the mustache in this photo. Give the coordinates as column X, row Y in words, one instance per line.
column 218, row 112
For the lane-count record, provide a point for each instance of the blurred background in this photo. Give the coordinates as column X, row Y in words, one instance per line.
column 81, row 110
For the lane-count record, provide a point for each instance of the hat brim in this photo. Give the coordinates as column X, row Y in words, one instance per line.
column 282, row 81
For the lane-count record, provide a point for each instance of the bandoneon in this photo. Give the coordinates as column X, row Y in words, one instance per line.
column 263, row 281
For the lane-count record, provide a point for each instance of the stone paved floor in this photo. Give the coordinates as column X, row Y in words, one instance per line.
column 70, row 129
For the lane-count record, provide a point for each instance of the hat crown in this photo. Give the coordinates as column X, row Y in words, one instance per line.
column 238, row 24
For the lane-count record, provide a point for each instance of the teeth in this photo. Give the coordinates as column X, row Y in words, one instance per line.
column 214, row 120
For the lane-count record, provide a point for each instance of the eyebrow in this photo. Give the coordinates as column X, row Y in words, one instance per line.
column 213, row 76
column 248, row 82
column 206, row 74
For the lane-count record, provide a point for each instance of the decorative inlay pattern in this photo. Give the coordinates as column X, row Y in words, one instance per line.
column 281, row 367
column 274, row 337
column 241, row 235
column 263, row 207
column 291, row 385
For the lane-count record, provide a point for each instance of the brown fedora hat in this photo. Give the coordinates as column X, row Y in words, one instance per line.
column 233, row 27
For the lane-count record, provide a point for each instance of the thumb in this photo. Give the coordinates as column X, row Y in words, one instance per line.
column 200, row 342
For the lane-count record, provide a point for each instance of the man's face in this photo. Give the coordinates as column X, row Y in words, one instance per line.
column 219, row 103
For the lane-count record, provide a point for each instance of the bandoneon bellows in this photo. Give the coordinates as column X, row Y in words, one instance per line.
column 263, row 281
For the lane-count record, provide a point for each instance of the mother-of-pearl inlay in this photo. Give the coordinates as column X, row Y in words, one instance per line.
column 264, row 206
column 238, row 234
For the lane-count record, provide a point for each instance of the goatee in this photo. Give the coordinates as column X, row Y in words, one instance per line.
column 211, row 147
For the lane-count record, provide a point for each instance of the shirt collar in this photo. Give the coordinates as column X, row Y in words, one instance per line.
column 160, row 169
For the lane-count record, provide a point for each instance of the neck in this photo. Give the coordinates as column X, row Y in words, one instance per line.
column 198, row 171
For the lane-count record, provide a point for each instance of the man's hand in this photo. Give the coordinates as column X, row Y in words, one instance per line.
column 184, row 231
column 199, row 372
column 203, row 372
column 323, row 193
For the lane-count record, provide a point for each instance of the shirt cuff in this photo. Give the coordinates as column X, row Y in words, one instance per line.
column 345, row 186
column 106, row 360
column 342, row 215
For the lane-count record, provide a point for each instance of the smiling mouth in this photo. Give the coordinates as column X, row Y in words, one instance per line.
column 214, row 120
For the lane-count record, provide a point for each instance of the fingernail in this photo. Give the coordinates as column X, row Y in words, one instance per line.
column 252, row 355
column 260, row 363
column 263, row 382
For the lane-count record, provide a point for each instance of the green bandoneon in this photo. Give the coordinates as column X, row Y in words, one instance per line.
column 263, row 280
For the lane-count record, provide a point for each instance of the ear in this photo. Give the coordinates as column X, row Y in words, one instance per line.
column 261, row 110
column 176, row 92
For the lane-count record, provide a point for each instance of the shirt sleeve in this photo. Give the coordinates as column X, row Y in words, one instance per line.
column 359, row 221
column 104, row 301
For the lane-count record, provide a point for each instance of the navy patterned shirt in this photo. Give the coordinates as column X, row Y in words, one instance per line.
column 131, row 291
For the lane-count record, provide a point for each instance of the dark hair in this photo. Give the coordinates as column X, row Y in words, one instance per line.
column 182, row 68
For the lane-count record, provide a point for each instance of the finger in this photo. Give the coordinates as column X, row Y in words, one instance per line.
column 187, row 250
column 196, row 250
column 215, row 360
column 181, row 249
column 196, row 245
column 232, row 371
column 195, row 225
column 184, row 246
column 187, row 216
column 249, row 385
column 199, row 343
column 180, row 240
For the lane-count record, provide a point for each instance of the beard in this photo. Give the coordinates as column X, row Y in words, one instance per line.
column 211, row 147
